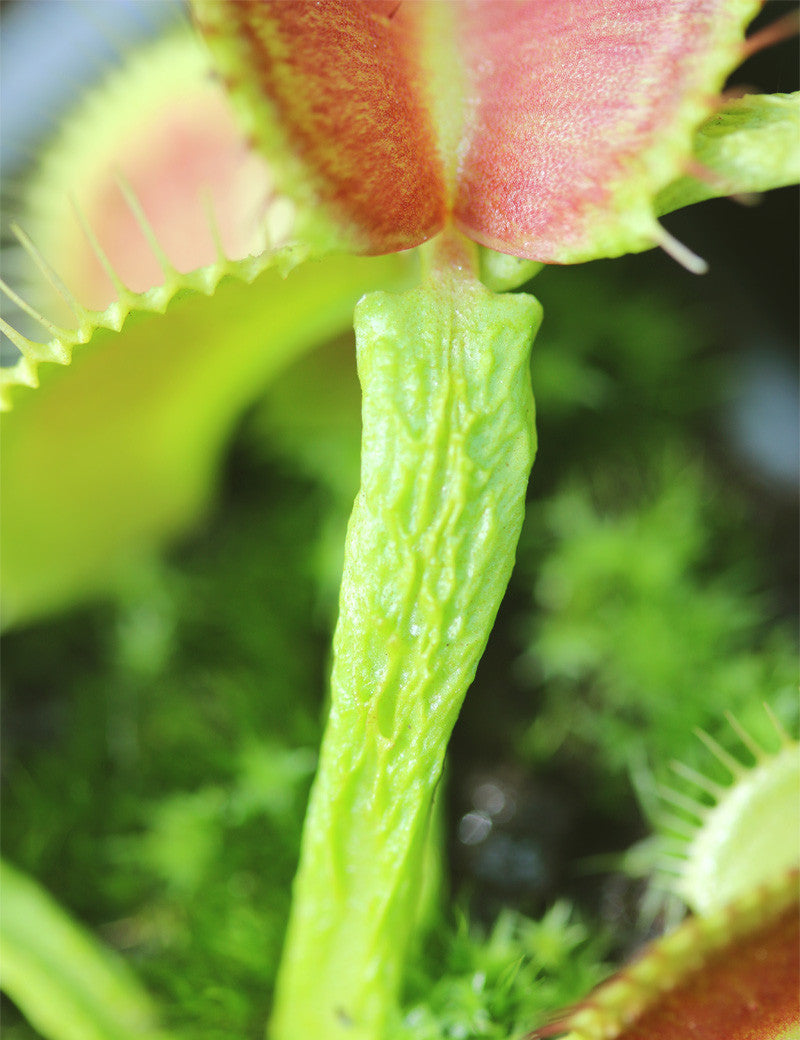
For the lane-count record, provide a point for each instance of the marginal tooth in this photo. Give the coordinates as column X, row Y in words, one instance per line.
column 682, row 801
column 122, row 290
column 678, row 251
column 758, row 753
column 669, row 854
column 734, row 767
column 80, row 312
column 673, row 846
column 715, row 790
column 675, row 870
column 65, row 335
column 213, row 226
column 24, row 345
column 679, row 826
column 169, row 271
column 784, row 737
column 25, row 372
column 57, row 350
column 781, row 29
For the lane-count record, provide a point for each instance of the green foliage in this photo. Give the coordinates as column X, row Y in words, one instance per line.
column 496, row 985
column 633, row 614
column 750, row 145
column 651, row 610
column 180, row 846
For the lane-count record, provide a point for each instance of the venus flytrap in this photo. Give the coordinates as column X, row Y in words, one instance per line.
column 731, row 973
column 554, row 132
column 718, row 866
column 731, row 970
column 192, row 355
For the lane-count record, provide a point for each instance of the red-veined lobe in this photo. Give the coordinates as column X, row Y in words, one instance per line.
column 345, row 83
column 579, row 105
column 541, row 128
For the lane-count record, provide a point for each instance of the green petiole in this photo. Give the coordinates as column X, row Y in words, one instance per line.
column 447, row 446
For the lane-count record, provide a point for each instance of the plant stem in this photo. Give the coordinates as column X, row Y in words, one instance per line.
column 448, row 442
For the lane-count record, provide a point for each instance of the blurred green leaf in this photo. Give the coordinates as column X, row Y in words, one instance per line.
column 751, row 145
column 119, row 452
column 66, row 983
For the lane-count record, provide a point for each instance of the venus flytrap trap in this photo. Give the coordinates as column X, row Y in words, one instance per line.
column 206, row 377
column 718, row 865
column 731, row 974
column 551, row 132
column 732, row 969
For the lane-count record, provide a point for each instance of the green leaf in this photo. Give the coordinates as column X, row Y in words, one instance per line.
column 68, row 986
column 750, row 145
column 117, row 453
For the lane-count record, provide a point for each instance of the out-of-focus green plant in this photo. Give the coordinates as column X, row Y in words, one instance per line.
column 160, row 374
column 639, row 570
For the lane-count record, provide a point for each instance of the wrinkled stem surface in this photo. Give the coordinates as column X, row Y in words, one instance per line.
column 448, row 442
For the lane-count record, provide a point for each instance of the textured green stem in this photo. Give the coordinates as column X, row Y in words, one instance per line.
column 448, row 442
